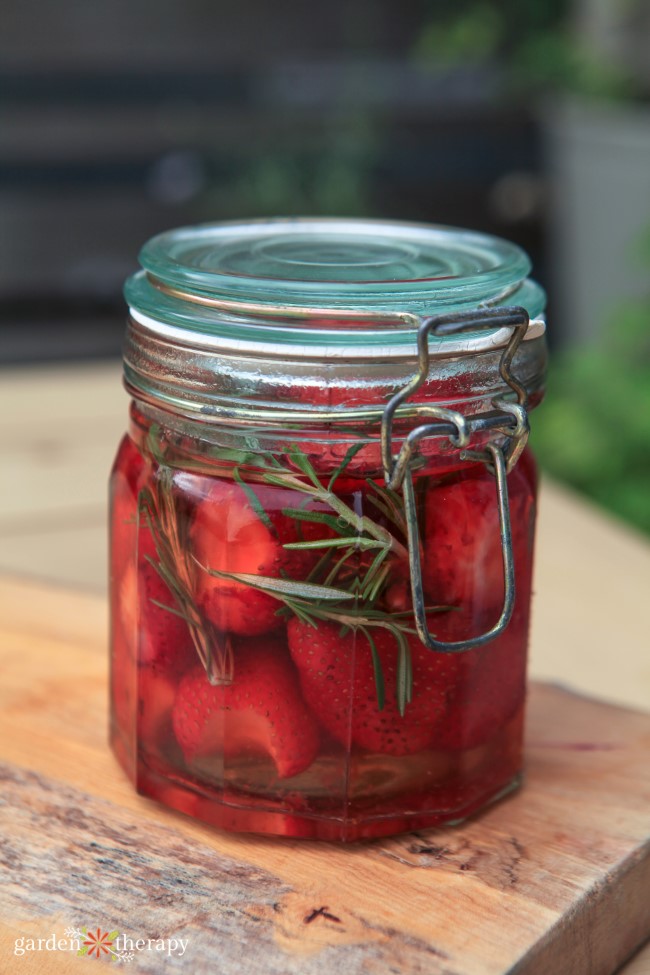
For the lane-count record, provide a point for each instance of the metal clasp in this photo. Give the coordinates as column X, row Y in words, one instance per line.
column 508, row 417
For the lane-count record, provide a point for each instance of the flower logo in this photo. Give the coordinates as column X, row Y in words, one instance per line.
column 98, row 943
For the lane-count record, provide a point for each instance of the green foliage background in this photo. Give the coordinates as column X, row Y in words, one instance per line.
column 593, row 430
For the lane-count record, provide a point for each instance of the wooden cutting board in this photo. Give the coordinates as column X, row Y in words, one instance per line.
column 553, row 881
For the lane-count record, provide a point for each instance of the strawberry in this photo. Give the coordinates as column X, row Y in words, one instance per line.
column 163, row 639
column 460, row 700
column 463, row 563
column 126, row 478
column 337, row 680
column 490, row 684
column 160, row 638
column 127, row 470
column 260, row 713
column 463, row 566
column 229, row 535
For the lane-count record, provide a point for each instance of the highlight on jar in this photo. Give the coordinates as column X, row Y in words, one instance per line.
column 322, row 521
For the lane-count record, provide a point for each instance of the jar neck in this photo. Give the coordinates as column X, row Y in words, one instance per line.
column 473, row 398
column 313, row 395
column 217, row 449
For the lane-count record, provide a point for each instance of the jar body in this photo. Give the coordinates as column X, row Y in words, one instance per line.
column 247, row 693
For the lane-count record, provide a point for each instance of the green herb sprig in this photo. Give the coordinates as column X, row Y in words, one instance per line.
column 346, row 584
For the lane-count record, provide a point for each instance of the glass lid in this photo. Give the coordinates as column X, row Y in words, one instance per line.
column 356, row 264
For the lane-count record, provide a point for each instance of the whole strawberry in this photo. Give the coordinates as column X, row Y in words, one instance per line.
column 337, row 677
column 463, row 565
column 261, row 713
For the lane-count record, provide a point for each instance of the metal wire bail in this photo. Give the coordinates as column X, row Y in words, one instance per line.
column 509, row 418
column 498, row 465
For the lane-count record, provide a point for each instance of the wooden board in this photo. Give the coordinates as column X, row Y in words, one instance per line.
column 553, row 881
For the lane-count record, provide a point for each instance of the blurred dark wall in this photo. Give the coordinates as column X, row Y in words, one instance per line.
column 123, row 119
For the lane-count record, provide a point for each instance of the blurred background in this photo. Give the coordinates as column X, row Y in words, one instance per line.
column 529, row 119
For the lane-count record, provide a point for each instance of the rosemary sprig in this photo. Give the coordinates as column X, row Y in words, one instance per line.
column 350, row 453
column 361, row 544
column 311, row 603
column 274, row 585
column 360, row 524
column 175, row 567
column 254, row 502
column 389, row 503
column 336, row 581
column 377, row 669
column 346, row 584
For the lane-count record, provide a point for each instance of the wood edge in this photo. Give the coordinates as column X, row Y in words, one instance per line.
column 608, row 925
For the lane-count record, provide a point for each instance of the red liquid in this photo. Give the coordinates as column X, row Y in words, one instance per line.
column 291, row 739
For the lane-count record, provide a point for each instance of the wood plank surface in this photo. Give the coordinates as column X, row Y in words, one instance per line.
column 552, row 881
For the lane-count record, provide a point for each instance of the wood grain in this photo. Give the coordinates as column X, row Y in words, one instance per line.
column 553, row 881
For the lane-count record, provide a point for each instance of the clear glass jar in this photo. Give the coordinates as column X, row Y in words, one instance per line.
column 322, row 524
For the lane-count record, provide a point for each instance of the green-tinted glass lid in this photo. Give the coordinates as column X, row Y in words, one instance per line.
column 339, row 264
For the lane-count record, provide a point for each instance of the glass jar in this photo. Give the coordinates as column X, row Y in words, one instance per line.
column 322, row 524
